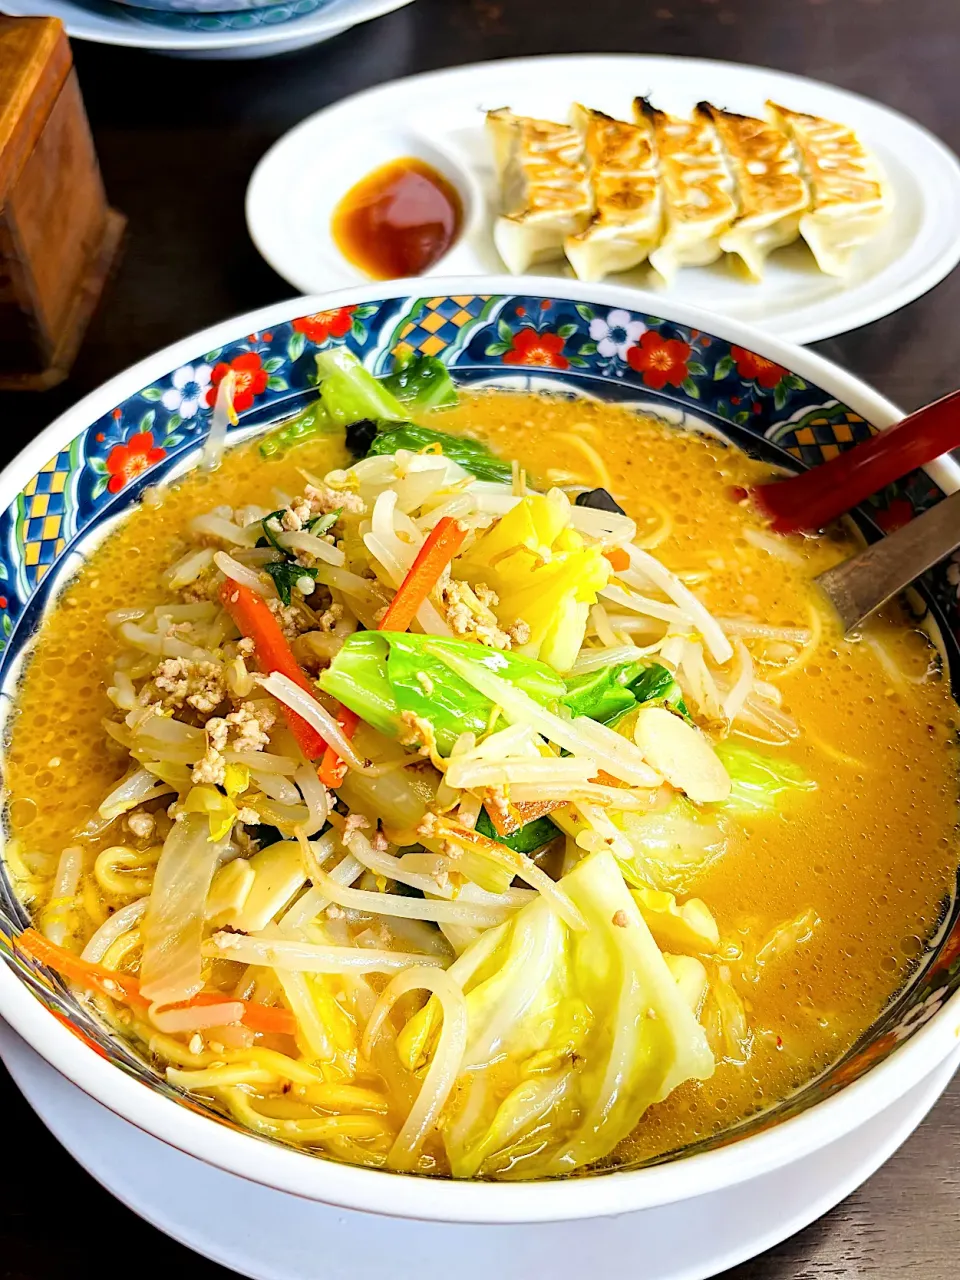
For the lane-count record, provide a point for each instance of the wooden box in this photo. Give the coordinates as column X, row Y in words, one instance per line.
column 58, row 237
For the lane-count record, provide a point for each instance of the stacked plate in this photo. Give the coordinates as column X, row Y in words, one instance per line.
column 208, row 28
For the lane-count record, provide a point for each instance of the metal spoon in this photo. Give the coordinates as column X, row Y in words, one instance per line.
column 866, row 581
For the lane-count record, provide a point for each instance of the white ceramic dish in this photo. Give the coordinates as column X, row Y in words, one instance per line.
column 221, row 1216
column 297, row 184
column 253, row 34
column 929, row 1033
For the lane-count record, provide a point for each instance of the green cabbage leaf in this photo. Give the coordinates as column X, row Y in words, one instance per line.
column 381, row 675
column 470, row 454
column 759, row 780
column 610, row 692
column 421, row 382
column 349, row 393
column 571, row 1035
column 528, row 839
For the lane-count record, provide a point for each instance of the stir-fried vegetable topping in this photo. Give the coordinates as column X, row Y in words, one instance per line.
column 421, row 729
column 599, row 499
column 311, row 421
column 350, row 394
column 588, row 1029
column 542, row 571
column 287, row 574
column 255, row 621
column 125, row 988
column 439, row 548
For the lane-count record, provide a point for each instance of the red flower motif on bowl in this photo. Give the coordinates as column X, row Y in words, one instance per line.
column 325, row 324
column 251, row 380
column 127, row 461
column 867, row 1056
column 756, row 368
column 530, row 347
column 659, row 360
column 948, row 952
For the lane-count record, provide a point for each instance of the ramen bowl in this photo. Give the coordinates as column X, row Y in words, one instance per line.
column 266, row 10
column 692, row 370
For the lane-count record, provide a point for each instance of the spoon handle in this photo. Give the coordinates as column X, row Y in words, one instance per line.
column 815, row 497
column 866, row 581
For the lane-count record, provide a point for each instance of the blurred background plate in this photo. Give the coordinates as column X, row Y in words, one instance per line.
column 250, row 33
column 438, row 117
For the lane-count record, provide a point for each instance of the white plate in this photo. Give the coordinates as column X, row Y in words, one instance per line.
column 439, row 118
column 268, row 1235
column 105, row 23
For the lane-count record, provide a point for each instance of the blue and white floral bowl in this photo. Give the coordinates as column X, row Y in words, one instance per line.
column 213, row 15
column 693, row 369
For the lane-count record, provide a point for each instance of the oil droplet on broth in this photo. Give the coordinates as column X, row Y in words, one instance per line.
column 398, row 220
column 23, row 811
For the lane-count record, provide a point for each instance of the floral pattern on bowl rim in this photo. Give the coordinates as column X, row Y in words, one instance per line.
column 689, row 378
column 221, row 15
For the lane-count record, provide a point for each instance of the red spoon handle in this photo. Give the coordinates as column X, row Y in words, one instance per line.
column 814, row 498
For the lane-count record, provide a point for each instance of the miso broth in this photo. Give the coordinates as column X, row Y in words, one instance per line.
column 858, row 858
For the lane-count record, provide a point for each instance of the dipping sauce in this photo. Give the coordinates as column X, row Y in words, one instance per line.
column 398, row 220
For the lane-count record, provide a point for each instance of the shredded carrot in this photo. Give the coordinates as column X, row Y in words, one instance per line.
column 605, row 779
column 332, row 769
column 446, row 828
column 95, row 977
column 256, row 1016
column 508, row 819
column 619, row 559
column 254, row 619
column 439, row 547
column 125, row 989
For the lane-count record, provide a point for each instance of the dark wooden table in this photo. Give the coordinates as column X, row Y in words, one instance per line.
column 177, row 141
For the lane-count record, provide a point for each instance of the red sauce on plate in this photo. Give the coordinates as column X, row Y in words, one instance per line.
column 398, row 220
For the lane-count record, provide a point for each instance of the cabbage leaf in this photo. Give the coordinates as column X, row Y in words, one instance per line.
column 173, row 925
column 421, row 382
column 469, row 454
column 657, row 687
column 687, row 926
column 385, row 675
column 669, row 846
column 759, row 780
column 610, row 692
column 605, row 694
column 571, row 1035
column 309, row 422
column 349, row 393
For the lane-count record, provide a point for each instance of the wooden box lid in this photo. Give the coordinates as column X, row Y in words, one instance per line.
column 35, row 61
